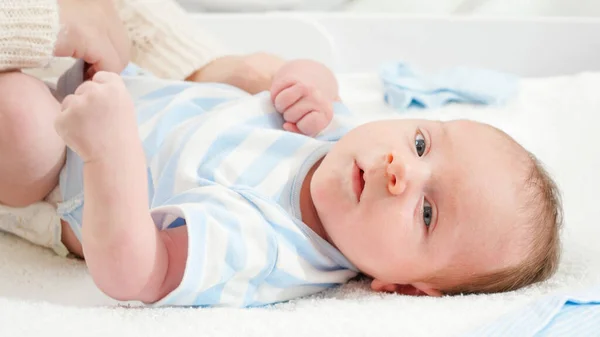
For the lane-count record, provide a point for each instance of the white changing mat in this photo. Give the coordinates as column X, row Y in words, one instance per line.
column 556, row 118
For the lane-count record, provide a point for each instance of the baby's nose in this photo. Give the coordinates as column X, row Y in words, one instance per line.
column 395, row 173
column 402, row 173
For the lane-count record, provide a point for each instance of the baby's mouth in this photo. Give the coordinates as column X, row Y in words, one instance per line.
column 358, row 181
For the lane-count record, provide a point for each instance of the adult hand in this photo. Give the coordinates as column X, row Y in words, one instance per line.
column 92, row 30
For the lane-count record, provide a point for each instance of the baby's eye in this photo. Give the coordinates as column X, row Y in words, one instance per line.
column 427, row 213
column 420, row 144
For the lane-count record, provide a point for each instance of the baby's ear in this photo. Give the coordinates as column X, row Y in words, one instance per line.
column 415, row 289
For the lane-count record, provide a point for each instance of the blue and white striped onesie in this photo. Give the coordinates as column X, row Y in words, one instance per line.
column 219, row 160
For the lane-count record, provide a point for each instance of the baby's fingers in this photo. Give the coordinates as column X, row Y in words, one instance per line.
column 291, row 127
column 290, row 96
column 298, row 110
column 279, row 85
column 85, row 87
column 106, row 77
column 313, row 123
column 70, row 102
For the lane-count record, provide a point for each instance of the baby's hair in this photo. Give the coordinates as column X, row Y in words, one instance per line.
column 542, row 213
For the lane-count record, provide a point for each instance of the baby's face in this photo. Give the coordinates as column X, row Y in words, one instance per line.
column 407, row 200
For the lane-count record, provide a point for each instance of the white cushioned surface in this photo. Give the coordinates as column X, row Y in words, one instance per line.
column 556, row 118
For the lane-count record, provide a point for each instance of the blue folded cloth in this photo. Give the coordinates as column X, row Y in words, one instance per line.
column 407, row 87
column 576, row 314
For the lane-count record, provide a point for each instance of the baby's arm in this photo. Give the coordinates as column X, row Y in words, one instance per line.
column 128, row 257
column 304, row 92
column 252, row 73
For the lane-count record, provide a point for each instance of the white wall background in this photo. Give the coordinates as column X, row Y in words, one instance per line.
column 482, row 7
column 512, row 8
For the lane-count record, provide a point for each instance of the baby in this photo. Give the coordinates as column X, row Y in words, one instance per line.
column 191, row 194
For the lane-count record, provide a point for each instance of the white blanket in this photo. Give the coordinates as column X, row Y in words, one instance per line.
column 555, row 118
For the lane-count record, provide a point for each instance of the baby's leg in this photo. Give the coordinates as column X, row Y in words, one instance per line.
column 31, row 152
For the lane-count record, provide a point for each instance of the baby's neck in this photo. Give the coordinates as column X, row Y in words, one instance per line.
column 307, row 207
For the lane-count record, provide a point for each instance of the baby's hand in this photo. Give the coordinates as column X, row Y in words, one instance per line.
column 304, row 109
column 99, row 118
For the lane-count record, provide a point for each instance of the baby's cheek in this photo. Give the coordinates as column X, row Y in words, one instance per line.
column 376, row 247
column 387, row 225
column 323, row 196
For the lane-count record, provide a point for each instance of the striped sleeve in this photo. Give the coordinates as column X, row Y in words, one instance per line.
column 230, row 247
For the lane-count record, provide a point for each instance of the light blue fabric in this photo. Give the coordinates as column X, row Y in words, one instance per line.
column 133, row 69
column 219, row 162
column 407, row 87
column 576, row 314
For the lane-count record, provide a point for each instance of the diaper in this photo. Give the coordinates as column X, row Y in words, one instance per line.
column 38, row 223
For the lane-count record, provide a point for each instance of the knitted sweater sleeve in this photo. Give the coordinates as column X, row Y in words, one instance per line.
column 165, row 39
column 28, row 31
